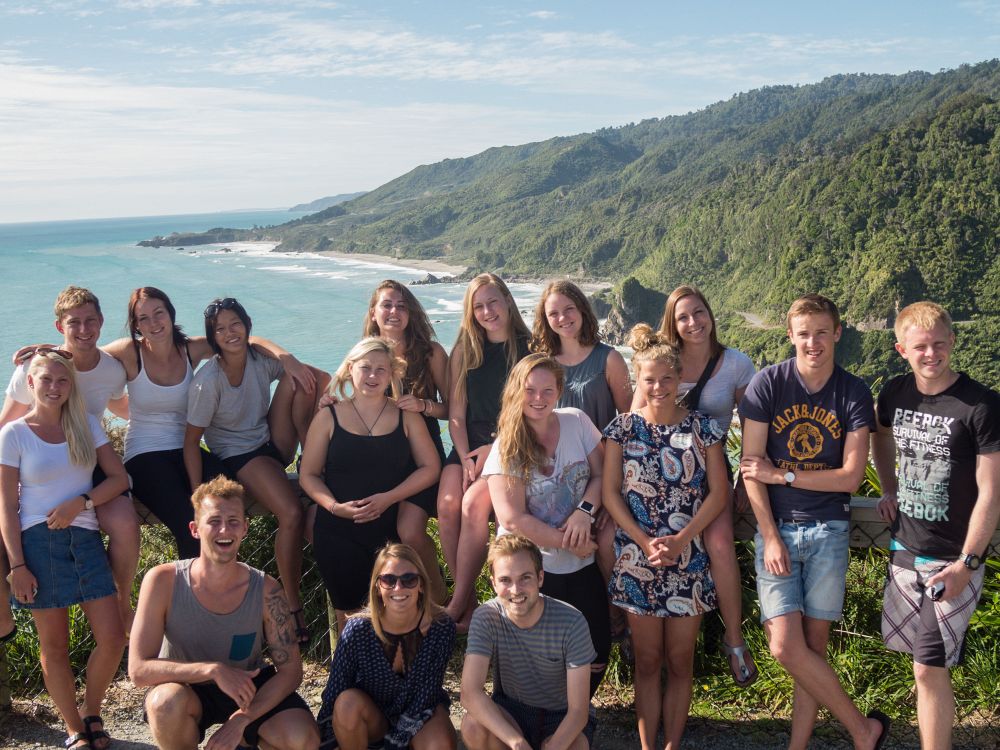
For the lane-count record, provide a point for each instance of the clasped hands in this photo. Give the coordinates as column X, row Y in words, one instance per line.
column 662, row 551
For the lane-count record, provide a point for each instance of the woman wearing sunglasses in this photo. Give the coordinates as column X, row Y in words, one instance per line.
column 229, row 403
column 388, row 670
column 49, row 528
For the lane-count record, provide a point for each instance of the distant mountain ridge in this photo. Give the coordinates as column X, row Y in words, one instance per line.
column 331, row 200
column 873, row 189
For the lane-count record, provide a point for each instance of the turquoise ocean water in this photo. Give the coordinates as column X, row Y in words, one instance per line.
column 310, row 304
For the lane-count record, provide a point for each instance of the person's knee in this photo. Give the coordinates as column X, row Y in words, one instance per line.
column 118, row 519
column 296, row 731
column 413, row 535
column 474, row 735
column 648, row 662
column 349, row 710
column 111, row 637
column 680, row 663
column 719, row 544
column 929, row 678
column 476, row 504
column 169, row 704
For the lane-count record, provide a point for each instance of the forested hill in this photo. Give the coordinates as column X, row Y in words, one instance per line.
column 876, row 190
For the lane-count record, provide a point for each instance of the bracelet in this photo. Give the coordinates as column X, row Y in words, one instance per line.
column 15, row 567
column 426, row 404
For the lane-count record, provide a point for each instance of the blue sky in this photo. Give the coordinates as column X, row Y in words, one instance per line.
column 141, row 107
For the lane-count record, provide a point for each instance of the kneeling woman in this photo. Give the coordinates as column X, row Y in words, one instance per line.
column 388, row 670
column 544, row 475
column 363, row 456
column 664, row 482
column 49, row 528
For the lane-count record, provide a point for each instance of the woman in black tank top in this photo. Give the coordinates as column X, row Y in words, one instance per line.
column 362, row 457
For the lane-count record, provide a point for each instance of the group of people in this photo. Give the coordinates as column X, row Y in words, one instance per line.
column 613, row 509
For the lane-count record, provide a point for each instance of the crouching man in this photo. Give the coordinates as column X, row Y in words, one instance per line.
column 200, row 629
column 541, row 653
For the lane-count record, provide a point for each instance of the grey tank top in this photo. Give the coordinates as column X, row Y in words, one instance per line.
column 587, row 389
column 195, row 634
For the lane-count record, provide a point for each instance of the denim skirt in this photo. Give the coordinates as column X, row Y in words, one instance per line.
column 69, row 564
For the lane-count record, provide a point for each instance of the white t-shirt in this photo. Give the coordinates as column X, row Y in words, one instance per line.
column 719, row 394
column 99, row 385
column 551, row 497
column 46, row 475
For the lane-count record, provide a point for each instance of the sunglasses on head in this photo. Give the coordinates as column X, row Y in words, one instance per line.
column 31, row 351
column 389, row 580
column 222, row 304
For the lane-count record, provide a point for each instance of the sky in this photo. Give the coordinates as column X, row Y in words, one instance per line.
column 148, row 107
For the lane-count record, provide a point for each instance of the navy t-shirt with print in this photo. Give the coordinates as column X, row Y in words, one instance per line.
column 938, row 439
column 806, row 432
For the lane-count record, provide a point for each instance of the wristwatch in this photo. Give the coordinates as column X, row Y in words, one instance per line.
column 972, row 561
column 88, row 504
column 789, row 478
column 586, row 507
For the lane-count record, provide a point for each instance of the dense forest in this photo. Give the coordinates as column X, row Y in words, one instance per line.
column 876, row 190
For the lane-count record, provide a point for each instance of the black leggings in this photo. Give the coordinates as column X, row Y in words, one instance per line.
column 160, row 482
column 585, row 590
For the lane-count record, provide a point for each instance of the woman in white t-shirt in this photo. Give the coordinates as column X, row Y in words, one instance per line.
column 49, row 528
column 544, row 476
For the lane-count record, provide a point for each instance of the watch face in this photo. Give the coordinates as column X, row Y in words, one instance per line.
column 789, row 477
column 972, row 562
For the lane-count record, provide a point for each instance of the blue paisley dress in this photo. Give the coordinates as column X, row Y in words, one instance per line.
column 663, row 484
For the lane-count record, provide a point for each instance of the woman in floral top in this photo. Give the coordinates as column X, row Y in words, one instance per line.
column 664, row 482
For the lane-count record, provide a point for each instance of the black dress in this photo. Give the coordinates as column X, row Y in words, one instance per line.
column 357, row 466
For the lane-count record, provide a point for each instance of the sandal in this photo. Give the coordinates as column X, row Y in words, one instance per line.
column 78, row 737
column 9, row 636
column 301, row 630
column 743, row 675
column 886, row 722
column 96, row 735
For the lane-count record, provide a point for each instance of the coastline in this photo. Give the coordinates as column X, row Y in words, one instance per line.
column 436, row 267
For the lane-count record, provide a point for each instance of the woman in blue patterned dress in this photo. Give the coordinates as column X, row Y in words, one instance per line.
column 664, row 482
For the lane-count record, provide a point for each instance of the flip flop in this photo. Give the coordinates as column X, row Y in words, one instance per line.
column 9, row 636
column 743, row 675
column 886, row 722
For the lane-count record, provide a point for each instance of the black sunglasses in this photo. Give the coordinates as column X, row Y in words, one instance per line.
column 222, row 304
column 389, row 580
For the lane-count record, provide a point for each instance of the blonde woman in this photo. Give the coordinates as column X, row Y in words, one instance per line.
column 544, row 475
column 386, row 679
column 394, row 313
column 363, row 456
column 491, row 339
column 50, row 531
column 664, row 482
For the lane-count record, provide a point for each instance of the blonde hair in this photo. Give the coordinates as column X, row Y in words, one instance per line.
column 668, row 323
column 651, row 346
column 397, row 366
column 221, row 488
column 546, row 341
column 426, row 605
column 509, row 545
column 75, row 296
column 924, row 315
column 813, row 304
column 73, row 414
column 520, row 450
column 469, row 344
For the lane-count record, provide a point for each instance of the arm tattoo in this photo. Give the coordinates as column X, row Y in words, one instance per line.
column 279, row 626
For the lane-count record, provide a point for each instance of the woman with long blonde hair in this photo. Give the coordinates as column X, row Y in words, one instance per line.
column 544, row 476
column 491, row 339
column 394, row 313
column 50, row 531
column 363, row 456
column 386, row 679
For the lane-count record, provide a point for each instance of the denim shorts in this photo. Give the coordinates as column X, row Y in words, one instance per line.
column 69, row 564
column 819, row 552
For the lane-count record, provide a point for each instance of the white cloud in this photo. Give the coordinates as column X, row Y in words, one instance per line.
column 544, row 15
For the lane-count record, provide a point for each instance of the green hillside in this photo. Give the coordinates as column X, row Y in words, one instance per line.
column 873, row 189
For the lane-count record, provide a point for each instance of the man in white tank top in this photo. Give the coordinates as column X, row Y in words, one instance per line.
column 199, row 633
column 101, row 380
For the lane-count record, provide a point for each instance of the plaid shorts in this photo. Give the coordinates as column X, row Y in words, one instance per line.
column 934, row 632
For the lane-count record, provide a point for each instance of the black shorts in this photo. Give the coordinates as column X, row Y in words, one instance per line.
column 217, row 707
column 233, row 464
column 99, row 476
column 536, row 724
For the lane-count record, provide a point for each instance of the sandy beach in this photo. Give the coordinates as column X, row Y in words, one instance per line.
column 436, row 267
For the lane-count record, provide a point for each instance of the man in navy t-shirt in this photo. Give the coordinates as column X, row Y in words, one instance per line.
column 942, row 505
column 805, row 447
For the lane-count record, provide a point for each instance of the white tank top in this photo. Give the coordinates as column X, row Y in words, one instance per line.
column 157, row 413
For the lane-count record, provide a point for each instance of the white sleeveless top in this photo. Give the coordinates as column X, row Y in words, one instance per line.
column 157, row 413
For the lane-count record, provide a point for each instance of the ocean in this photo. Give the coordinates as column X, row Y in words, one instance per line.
column 312, row 305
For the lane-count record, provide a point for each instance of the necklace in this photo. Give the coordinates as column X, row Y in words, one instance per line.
column 363, row 419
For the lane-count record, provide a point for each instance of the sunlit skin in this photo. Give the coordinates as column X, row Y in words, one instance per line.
column 81, row 327
column 541, row 394
column 491, row 310
column 694, row 324
column 371, row 375
column 51, row 384
column 221, row 526
column 230, row 333
column 153, row 320
column 657, row 383
column 401, row 605
column 518, row 587
column 928, row 352
column 814, row 338
column 563, row 315
column 391, row 314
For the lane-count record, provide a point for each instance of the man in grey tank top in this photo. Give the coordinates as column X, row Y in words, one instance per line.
column 198, row 639
column 541, row 652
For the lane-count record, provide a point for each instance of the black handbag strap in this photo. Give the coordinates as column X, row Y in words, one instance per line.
column 690, row 399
